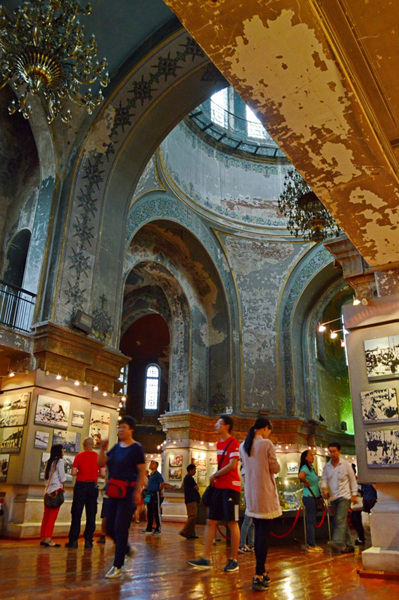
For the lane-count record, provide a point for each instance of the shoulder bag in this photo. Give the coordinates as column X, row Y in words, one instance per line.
column 320, row 504
column 53, row 499
column 207, row 495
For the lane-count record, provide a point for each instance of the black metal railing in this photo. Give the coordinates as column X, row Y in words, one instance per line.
column 16, row 306
column 234, row 131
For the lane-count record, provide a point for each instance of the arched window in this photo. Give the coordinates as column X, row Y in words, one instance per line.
column 219, row 108
column 151, row 395
column 255, row 127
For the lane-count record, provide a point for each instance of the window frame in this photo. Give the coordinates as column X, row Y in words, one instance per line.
column 152, row 378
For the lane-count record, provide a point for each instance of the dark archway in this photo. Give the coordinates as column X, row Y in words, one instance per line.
column 16, row 258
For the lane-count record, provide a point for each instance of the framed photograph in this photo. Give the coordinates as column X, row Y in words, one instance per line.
column 382, row 448
column 4, row 464
column 78, row 418
column 379, row 405
column 69, row 440
column 175, row 474
column 12, row 439
column 199, row 460
column 382, row 358
column 44, row 459
column 201, row 477
column 175, row 460
column 99, row 426
column 52, row 412
column 41, row 440
column 14, row 409
column 292, row 468
column 68, row 461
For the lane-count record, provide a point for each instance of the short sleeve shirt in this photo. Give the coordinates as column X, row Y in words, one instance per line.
column 313, row 479
column 190, row 493
column 86, row 464
column 154, row 482
column 231, row 480
column 123, row 460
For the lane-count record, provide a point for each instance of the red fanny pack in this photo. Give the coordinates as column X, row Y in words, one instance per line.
column 117, row 488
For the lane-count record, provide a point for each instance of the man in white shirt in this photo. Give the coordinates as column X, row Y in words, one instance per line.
column 338, row 483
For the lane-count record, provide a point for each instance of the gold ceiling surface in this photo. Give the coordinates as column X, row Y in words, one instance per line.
column 322, row 76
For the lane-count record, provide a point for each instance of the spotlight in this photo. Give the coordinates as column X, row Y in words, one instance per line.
column 58, row 376
column 95, row 389
column 76, row 382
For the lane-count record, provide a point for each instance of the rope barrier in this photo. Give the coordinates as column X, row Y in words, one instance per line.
column 290, row 529
column 323, row 516
column 221, row 532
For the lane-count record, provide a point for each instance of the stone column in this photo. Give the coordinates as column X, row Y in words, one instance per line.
column 377, row 316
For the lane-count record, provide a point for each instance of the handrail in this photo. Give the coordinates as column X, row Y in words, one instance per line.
column 16, row 306
column 15, row 287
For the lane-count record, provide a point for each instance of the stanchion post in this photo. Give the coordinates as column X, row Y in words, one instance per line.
column 328, row 520
column 304, row 525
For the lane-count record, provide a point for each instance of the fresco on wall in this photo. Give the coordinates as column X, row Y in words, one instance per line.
column 379, row 405
column 382, row 358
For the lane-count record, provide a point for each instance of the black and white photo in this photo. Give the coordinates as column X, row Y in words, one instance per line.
column 382, row 448
column 41, row 440
column 379, row 405
column 99, row 426
column 78, row 418
column 69, row 440
column 4, row 464
column 382, row 358
column 52, row 412
column 11, row 440
column 14, row 409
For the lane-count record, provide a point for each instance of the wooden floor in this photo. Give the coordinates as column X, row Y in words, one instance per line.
column 159, row 571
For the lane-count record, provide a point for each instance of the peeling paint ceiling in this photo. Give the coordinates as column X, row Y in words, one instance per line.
column 321, row 74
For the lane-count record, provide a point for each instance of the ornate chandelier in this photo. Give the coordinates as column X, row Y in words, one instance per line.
column 306, row 215
column 43, row 52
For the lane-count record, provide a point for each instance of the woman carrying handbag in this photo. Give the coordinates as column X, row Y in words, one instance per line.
column 310, row 498
column 55, row 476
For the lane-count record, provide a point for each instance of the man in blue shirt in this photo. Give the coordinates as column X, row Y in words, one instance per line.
column 191, row 499
column 154, row 487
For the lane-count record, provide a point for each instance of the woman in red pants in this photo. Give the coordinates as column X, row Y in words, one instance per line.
column 55, row 475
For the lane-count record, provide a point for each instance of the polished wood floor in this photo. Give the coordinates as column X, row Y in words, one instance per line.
column 159, row 571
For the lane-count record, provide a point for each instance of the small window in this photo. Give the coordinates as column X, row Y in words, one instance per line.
column 255, row 127
column 152, row 387
column 219, row 108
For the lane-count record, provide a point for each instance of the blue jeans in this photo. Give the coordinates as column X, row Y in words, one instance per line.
column 311, row 513
column 341, row 534
column 247, row 530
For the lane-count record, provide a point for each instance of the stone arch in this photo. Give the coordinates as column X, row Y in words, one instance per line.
column 175, row 249
column 160, row 90
column 313, row 272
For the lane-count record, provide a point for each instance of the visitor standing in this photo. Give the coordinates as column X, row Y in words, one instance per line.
column 55, row 475
column 310, row 480
column 191, row 499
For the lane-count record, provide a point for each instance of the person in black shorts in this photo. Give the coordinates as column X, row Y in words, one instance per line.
column 225, row 500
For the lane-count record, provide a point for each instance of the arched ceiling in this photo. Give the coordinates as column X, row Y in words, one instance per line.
column 322, row 75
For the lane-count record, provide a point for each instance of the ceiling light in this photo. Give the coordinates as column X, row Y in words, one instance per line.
column 58, row 376
column 43, row 52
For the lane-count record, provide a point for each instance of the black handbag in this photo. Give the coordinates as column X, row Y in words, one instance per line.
column 207, row 495
column 320, row 504
column 54, row 499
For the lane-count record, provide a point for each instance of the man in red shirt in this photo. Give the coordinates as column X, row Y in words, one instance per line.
column 225, row 500
column 85, row 494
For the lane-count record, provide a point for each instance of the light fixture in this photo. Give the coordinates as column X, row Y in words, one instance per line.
column 356, row 301
column 322, row 326
column 333, row 334
column 76, row 382
column 105, row 394
column 95, row 388
column 58, row 376
column 307, row 217
column 11, row 374
column 43, row 52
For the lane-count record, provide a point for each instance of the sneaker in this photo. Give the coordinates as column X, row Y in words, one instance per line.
column 101, row 539
column 200, row 563
column 250, row 549
column 231, row 566
column 266, row 577
column 259, row 585
column 243, row 549
column 157, row 532
column 193, row 537
column 71, row 545
column 113, row 573
column 359, row 542
column 348, row 549
column 147, row 530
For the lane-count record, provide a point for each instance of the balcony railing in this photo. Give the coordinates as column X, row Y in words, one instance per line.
column 16, row 306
